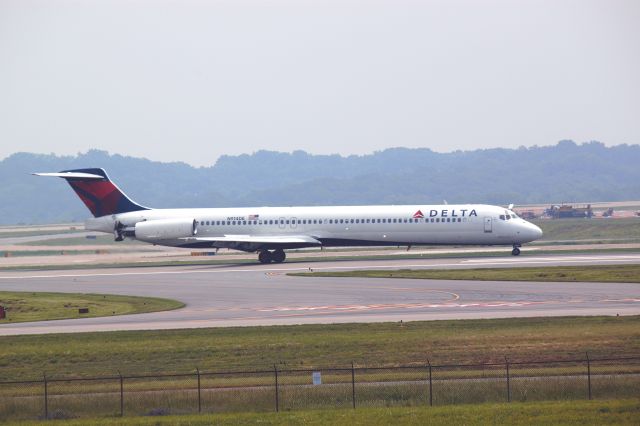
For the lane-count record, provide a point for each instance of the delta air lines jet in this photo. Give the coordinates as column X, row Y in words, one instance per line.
column 270, row 230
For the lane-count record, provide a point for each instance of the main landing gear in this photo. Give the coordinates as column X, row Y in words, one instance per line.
column 515, row 251
column 276, row 256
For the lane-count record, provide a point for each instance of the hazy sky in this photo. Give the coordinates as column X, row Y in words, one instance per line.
column 193, row 80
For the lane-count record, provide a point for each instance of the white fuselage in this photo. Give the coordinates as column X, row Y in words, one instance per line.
column 345, row 225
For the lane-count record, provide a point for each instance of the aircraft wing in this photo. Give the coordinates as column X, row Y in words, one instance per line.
column 254, row 242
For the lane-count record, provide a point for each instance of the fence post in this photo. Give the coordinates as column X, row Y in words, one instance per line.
column 275, row 372
column 353, row 385
column 430, row 384
column 199, row 394
column 46, row 397
column 508, row 380
column 121, row 394
column 589, row 374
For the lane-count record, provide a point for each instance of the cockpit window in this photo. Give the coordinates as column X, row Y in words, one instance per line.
column 508, row 217
column 501, row 217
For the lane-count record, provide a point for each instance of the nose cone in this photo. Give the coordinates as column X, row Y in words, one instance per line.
column 537, row 232
column 533, row 232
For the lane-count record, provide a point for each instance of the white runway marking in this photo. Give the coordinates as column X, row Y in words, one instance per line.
column 555, row 259
column 469, row 262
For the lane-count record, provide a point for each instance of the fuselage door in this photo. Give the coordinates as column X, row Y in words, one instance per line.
column 487, row 225
column 294, row 222
column 281, row 223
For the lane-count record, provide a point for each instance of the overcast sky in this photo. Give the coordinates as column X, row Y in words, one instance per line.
column 193, row 80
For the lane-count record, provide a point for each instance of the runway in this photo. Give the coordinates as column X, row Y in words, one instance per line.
column 243, row 295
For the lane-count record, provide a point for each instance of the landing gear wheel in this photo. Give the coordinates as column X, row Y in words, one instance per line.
column 264, row 256
column 278, row 256
column 515, row 251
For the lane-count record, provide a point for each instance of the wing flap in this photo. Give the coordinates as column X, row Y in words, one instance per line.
column 266, row 239
column 254, row 242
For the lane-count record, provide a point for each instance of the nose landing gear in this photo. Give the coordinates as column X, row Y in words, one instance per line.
column 266, row 256
column 515, row 251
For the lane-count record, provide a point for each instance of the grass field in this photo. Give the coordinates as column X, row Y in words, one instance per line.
column 589, row 229
column 102, row 239
column 382, row 344
column 27, row 306
column 578, row 413
column 587, row 273
column 52, row 252
column 31, row 233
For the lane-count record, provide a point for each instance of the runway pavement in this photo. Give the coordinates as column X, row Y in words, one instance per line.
column 242, row 295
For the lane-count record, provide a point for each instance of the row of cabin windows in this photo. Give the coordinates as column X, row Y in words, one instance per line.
column 320, row 221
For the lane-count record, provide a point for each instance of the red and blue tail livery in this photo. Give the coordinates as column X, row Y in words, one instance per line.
column 101, row 196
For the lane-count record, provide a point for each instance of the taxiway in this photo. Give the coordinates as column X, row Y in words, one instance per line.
column 253, row 294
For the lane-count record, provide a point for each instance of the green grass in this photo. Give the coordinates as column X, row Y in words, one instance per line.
column 83, row 241
column 37, row 253
column 582, row 229
column 32, row 233
column 27, row 306
column 587, row 273
column 578, row 413
column 386, row 344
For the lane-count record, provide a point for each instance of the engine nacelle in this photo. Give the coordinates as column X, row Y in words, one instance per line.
column 165, row 229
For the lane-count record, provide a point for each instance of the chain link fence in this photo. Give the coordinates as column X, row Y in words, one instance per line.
column 334, row 387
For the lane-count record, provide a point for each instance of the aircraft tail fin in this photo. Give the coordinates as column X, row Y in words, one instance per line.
column 101, row 196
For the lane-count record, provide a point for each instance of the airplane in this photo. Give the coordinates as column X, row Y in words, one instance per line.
column 271, row 230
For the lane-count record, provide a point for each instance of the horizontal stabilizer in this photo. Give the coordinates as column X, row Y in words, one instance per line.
column 70, row 175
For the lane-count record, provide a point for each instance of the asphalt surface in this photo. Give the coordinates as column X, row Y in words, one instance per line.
column 242, row 295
